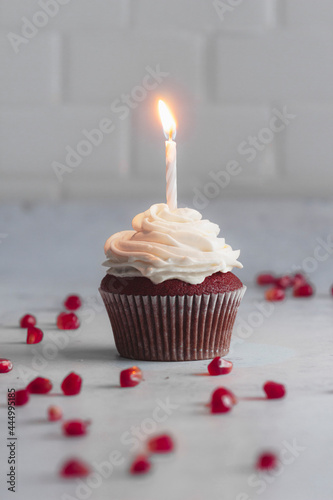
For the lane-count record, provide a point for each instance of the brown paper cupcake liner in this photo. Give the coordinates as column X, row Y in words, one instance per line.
column 172, row 328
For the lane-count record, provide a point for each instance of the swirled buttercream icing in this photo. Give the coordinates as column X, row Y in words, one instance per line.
column 167, row 245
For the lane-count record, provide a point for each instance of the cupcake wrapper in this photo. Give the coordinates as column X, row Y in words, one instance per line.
column 178, row 328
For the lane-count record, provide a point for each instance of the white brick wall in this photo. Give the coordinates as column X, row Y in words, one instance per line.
column 225, row 67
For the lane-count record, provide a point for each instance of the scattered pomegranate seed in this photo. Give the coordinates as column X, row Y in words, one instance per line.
column 284, row 282
column 75, row 468
column 275, row 294
column 39, row 385
column 267, row 461
column 141, row 465
column 34, row 335
column 274, row 390
column 54, row 413
column 222, row 400
column 223, row 391
column 21, row 397
column 71, row 385
column 5, row 365
column 303, row 290
column 68, row 321
column 332, row 290
column 27, row 320
column 75, row 428
column 73, row 302
column 219, row 366
column 299, row 278
column 161, row 444
column 130, row 377
column 265, row 279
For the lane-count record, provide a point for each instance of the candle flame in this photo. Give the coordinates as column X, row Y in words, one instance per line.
column 168, row 121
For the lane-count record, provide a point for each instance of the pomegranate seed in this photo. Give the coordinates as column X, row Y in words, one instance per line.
column 303, row 290
column 27, row 320
column 68, row 321
column 274, row 390
column 21, row 397
column 71, row 384
column 75, row 468
column 161, row 444
column 73, row 302
column 266, row 461
column 39, row 385
column 275, row 294
column 130, row 377
column 141, row 465
column 284, row 282
column 332, row 290
column 265, row 279
column 219, row 366
column 5, row 365
column 54, row 413
column 223, row 391
column 75, row 428
column 34, row 335
column 222, row 400
column 299, row 278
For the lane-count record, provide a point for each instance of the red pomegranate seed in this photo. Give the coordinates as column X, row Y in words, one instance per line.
column 27, row 320
column 75, row 468
column 223, row 391
column 130, row 377
column 275, row 294
column 141, row 465
column 54, row 413
column 284, row 282
column 219, row 366
column 303, row 290
column 332, row 290
column 21, row 397
column 68, row 321
column 71, row 385
column 73, row 302
column 5, row 365
column 161, row 444
column 266, row 279
column 34, row 335
column 39, row 385
column 222, row 400
column 267, row 461
column 299, row 278
column 75, row 428
column 274, row 390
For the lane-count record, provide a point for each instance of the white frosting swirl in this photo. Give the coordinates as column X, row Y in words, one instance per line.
column 169, row 245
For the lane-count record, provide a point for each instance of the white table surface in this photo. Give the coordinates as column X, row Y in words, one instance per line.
column 51, row 251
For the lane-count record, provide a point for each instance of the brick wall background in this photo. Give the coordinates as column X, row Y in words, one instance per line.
column 227, row 68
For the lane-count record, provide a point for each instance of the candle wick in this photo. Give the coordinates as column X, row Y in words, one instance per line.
column 170, row 135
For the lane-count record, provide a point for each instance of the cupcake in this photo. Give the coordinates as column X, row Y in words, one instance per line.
column 169, row 290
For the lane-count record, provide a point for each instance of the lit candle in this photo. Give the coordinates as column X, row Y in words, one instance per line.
column 169, row 127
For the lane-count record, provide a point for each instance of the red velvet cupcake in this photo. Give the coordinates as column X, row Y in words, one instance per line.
column 169, row 292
